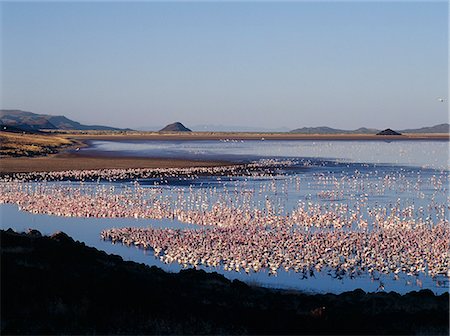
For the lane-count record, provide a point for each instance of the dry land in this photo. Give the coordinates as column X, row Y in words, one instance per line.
column 62, row 162
column 26, row 145
column 54, row 285
column 55, row 151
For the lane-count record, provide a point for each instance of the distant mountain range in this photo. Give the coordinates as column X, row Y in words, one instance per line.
column 329, row 130
column 29, row 121
column 441, row 128
column 225, row 128
column 18, row 120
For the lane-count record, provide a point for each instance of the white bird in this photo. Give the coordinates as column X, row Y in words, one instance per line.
column 441, row 99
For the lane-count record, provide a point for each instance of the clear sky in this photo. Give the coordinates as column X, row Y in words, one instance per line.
column 265, row 64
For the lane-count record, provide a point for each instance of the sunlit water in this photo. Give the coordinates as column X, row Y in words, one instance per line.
column 325, row 172
column 424, row 154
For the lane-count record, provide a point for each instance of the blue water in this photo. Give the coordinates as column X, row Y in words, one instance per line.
column 88, row 230
column 423, row 154
column 353, row 173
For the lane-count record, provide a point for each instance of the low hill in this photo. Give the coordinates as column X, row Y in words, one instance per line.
column 175, row 127
column 329, row 130
column 25, row 120
column 19, row 129
column 441, row 128
column 364, row 130
column 33, row 121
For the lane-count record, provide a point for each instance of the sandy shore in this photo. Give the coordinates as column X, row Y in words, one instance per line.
column 63, row 162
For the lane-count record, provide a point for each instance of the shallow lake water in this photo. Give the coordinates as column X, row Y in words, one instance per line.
column 372, row 174
column 423, row 154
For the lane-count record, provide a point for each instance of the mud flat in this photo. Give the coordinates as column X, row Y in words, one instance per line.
column 66, row 161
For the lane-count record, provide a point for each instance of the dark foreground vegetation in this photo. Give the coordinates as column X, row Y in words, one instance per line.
column 54, row 285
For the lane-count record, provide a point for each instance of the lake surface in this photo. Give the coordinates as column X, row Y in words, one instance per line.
column 424, row 154
column 364, row 175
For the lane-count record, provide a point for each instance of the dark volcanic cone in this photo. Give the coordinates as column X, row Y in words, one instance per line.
column 175, row 127
column 388, row 131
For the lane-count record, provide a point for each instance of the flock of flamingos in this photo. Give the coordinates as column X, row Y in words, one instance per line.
column 253, row 217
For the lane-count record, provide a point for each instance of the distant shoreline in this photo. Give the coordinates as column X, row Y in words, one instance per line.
column 68, row 159
column 250, row 136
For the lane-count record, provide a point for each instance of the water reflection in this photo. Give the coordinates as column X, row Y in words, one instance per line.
column 420, row 184
column 426, row 154
column 88, row 230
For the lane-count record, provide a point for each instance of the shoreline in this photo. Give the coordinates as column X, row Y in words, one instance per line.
column 196, row 136
column 67, row 159
column 76, row 281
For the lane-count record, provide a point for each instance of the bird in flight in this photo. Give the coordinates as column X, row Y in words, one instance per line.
column 441, row 99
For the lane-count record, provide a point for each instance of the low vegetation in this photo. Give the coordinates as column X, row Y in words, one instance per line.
column 30, row 144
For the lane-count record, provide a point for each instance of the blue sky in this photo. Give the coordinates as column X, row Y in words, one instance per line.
column 263, row 64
